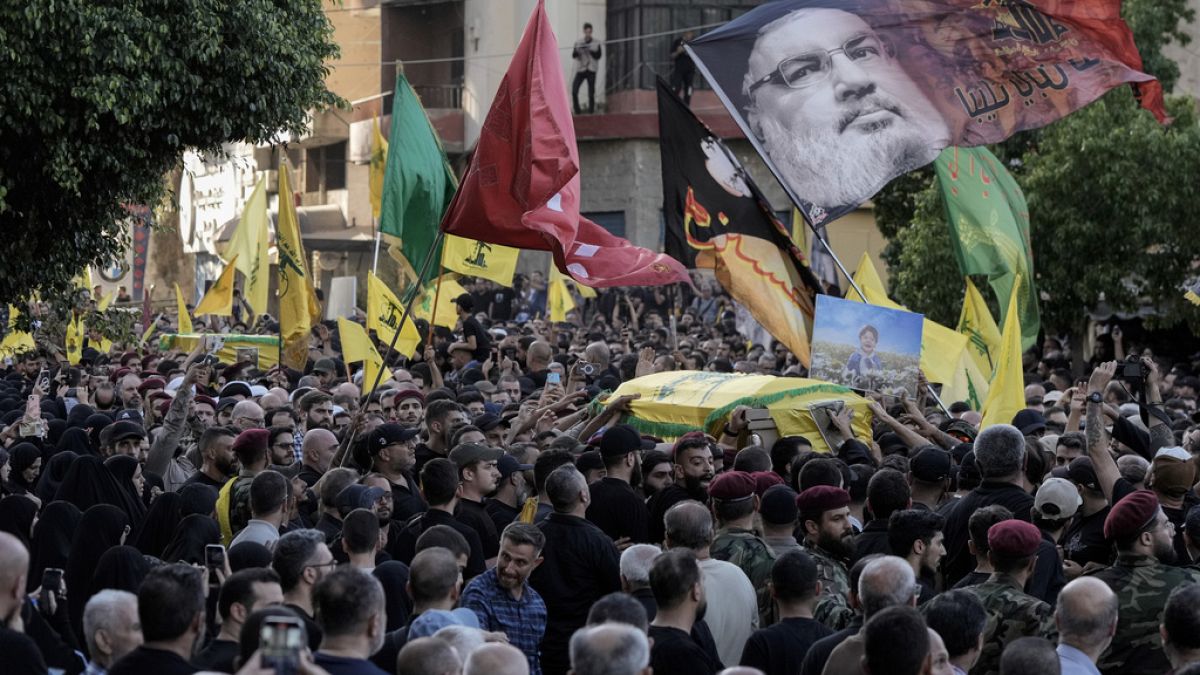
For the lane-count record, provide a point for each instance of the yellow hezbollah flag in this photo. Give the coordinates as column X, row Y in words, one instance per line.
column 379, row 153
column 976, row 322
column 969, row 384
column 1006, row 396
column 106, row 302
column 185, row 321
column 15, row 341
column 383, row 314
column 297, row 300
column 356, row 346
column 446, row 312
column 675, row 402
column 218, row 301
column 75, row 341
column 558, row 296
column 940, row 346
column 249, row 248
column 479, row 259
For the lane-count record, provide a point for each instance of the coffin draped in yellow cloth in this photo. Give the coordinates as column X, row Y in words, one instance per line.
column 676, row 402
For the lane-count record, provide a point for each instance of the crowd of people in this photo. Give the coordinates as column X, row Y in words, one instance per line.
column 490, row 509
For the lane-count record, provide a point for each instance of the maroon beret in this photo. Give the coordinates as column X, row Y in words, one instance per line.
column 254, row 440
column 764, row 480
column 731, row 486
column 119, row 373
column 1130, row 515
column 822, row 498
column 409, row 393
column 1014, row 538
column 164, row 407
column 151, row 383
column 207, row 400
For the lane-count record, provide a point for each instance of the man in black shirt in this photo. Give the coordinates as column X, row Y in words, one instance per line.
column 473, row 334
column 1000, row 456
column 171, row 609
column 887, row 492
column 683, row 70
column 615, row 507
column 679, row 592
column 439, row 483
column 693, row 471
column 581, row 565
column 393, row 455
column 502, row 303
column 441, row 419
column 242, row 593
column 478, row 476
column 781, row 648
column 505, row 506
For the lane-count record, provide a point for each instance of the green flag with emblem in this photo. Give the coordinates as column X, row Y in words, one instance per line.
column 989, row 229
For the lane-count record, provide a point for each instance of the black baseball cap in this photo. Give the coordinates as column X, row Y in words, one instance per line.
column 931, row 465
column 388, row 434
column 466, row 454
column 509, row 465
column 622, row 440
column 125, row 429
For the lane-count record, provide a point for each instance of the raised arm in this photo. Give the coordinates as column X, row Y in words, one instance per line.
column 1097, row 439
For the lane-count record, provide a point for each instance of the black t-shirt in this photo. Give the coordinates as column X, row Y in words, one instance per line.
column 406, row 502
column 203, row 479
column 780, row 649
column 315, row 633
column 675, row 651
column 1084, row 541
column 474, row 515
column 483, row 344
column 618, row 510
column 20, row 654
column 972, row 579
column 218, row 656
column 502, row 303
column 502, row 514
column 145, row 660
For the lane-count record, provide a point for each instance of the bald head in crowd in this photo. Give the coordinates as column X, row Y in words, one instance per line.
column 610, row 649
column 597, row 353
column 689, row 525
column 496, row 658
column 14, row 565
column 318, row 448
column 539, row 355
column 247, row 415
column 1086, row 616
column 428, row 656
column 886, row 582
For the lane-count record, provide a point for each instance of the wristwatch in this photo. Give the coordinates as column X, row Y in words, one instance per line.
column 1095, row 397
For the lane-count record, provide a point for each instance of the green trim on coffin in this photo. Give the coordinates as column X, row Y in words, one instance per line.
column 663, row 429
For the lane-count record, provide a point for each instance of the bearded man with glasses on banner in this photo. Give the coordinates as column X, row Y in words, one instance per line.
column 833, row 108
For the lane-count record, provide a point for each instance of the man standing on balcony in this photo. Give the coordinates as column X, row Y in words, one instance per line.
column 587, row 59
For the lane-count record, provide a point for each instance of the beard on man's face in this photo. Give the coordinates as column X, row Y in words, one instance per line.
column 832, row 164
column 839, row 546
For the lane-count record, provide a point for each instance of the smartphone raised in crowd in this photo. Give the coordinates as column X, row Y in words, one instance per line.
column 280, row 640
column 214, row 557
column 553, row 378
column 51, row 583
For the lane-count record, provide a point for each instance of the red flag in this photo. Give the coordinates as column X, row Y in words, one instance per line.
column 522, row 188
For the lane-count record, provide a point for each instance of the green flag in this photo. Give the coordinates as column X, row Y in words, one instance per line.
column 418, row 183
column 989, row 228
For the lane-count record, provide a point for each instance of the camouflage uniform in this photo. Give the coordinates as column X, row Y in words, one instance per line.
column 833, row 607
column 1142, row 585
column 1012, row 614
column 748, row 551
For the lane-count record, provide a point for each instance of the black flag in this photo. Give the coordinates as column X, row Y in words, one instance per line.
column 717, row 218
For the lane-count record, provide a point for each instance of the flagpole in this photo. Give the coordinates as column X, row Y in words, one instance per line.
column 378, row 236
column 437, row 292
column 343, row 447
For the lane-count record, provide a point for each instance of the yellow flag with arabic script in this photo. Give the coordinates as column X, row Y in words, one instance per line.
column 558, row 297
column 298, row 306
column 250, row 248
column 479, row 259
column 357, row 346
column 379, row 153
column 446, row 314
column 976, row 322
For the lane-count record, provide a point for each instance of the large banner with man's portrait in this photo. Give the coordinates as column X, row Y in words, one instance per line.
column 841, row 96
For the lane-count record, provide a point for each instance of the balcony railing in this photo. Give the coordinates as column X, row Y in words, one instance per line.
column 440, row 95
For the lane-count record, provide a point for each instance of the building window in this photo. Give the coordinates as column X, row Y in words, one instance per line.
column 635, row 63
column 326, row 168
column 613, row 221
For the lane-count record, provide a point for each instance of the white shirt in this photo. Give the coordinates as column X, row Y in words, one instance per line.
column 732, row 613
column 258, row 531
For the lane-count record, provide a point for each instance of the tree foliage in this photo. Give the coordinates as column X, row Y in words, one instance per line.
column 100, row 97
column 1111, row 197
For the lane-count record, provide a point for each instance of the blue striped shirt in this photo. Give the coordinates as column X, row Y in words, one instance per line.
column 523, row 621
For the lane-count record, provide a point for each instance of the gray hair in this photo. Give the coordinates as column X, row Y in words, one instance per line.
column 563, row 487
column 496, row 659
column 464, row 639
column 609, row 649
column 999, row 451
column 689, row 525
column 636, row 562
column 522, row 534
column 886, row 582
column 103, row 612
